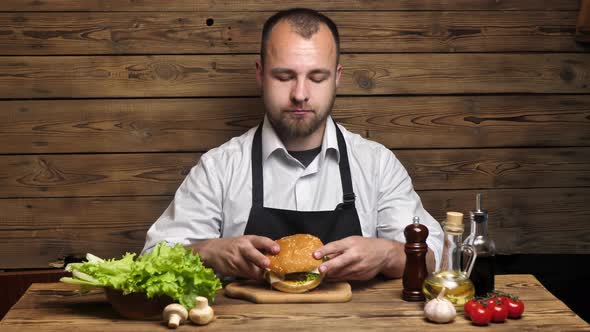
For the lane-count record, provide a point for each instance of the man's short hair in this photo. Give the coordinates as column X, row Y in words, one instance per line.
column 305, row 22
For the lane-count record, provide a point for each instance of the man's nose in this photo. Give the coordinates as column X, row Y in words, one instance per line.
column 300, row 92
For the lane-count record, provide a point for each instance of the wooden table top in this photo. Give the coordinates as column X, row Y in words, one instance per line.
column 375, row 305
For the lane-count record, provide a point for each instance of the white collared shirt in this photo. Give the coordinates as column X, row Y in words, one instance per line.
column 215, row 198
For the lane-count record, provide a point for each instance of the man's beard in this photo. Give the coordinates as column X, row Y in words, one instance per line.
column 288, row 127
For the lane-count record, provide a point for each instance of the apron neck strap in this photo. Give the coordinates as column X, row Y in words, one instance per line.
column 257, row 181
column 345, row 177
column 257, row 178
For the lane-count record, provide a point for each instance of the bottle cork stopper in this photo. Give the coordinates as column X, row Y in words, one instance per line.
column 455, row 218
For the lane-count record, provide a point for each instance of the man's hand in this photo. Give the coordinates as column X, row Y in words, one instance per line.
column 239, row 256
column 360, row 258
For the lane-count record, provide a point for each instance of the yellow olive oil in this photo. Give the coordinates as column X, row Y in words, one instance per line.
column 458, row 288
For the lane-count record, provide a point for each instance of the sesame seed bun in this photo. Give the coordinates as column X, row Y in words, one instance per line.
column 295, row 257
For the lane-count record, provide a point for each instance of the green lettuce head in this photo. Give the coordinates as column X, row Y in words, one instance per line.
column 167, row 270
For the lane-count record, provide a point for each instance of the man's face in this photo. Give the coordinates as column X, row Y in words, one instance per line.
column 298, row 80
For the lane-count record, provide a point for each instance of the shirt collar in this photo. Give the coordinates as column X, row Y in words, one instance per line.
column 271, row 141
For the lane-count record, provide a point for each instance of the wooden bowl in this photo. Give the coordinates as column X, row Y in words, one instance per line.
column 137, row 305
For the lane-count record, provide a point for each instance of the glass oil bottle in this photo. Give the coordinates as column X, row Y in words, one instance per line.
column 483, row 272
column 458, row 287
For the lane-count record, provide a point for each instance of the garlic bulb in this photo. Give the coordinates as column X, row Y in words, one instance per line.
column 439, row 309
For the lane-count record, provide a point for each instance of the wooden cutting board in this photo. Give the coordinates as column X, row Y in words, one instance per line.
column 257, row 292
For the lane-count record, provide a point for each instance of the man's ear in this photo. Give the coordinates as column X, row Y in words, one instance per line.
column 259, row 72
column 338, row 74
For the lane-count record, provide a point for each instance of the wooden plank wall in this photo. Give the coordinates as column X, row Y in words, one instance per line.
column 105, row 105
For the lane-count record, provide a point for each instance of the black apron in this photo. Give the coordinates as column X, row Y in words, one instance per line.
column 329, row 226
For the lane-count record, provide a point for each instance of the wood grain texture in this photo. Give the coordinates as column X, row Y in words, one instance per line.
column 161, row 174
column 524, row 221
column 375, row 306
column 36, row 232
column 260, row 5
column 132, row 125
column 234, row 75
column 14, row 285
column 160, row 125
column 501, row 168
column 226, row 32
column 94, row 175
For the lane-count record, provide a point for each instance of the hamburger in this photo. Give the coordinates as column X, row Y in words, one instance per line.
column 294, row 269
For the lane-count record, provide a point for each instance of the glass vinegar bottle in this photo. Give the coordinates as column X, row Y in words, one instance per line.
column 458, row 287
column 483, row 272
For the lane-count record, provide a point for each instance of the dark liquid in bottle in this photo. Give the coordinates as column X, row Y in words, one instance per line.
column 483, row 274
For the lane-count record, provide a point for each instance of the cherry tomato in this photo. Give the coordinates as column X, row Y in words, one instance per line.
column 469, row 306
column 515, row 307
column 481, row 315
column 499, row 311
column 491, row 301
column 503, row 298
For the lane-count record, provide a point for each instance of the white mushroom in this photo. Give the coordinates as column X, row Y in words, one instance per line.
column 202, row 313
column 174, row 314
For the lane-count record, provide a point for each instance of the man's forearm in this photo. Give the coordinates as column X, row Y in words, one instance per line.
column 197, row 248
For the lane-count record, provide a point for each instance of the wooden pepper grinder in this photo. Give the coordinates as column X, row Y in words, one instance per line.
column 415, row 270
